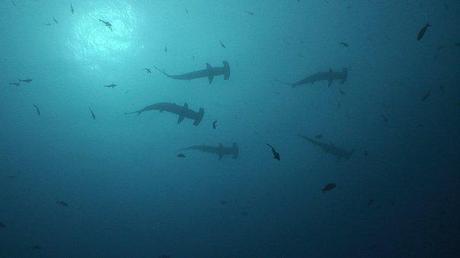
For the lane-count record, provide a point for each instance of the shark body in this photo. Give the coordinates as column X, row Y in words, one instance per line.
column 220, row 150
column 329, row 76
column 210, row 72
column 182, row 111
column 330, row 148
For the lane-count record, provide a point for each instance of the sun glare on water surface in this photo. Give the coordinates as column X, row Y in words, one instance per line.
column 92, row 41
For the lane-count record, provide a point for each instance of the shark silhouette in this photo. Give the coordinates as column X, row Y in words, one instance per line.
column 220, row 150
column 330, row 148
column 209, row 73
column 329, row 76
column 182, row 111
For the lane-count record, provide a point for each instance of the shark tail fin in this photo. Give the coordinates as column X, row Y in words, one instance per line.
column 161, row 71
column 236, row 150
column 345, row 75
column 135, row 112
column 199, row 117
column 285, row 83
column 210, row 73
column 226, row 70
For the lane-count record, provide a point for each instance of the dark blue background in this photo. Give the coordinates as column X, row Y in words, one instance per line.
column 129, row 195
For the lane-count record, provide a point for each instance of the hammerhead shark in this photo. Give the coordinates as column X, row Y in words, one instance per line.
column 182, row 111
column 209, row 72
column 220, row 150
column 330, row 148
column 329, row 76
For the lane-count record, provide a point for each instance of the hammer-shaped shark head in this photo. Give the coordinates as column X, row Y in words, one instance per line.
column 199, row 117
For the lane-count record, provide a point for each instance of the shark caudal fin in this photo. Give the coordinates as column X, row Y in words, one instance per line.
column 199, row 117
column 236, row 150
column 226, row 70
column 345, row 75
column 135, row 112
column 210, row 73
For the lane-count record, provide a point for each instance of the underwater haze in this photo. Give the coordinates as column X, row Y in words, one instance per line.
column 223, row 128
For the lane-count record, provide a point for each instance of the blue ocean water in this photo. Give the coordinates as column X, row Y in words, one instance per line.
column 368, row 163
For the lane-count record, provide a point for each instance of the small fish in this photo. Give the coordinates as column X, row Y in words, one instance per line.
column 276, row 155
column 214, row 124
column 223, row 202
column 366, row 153
column 13, row 3
column 166, row 49
column 441, row 88
column 342, row 92
column 2, row 225
column 385, row 118
column 148, row 70
column 181, row 155
column 164, row 256
column 25, row 80
column 37, row 247
column 37, row 109
column 222, row 44
column 344, row 44
column 62, row 203
column 250, row 13
column 457, row 44
column 426, row 96
column 14, row 83
column 319, row 136
column 71, row 8
column 48, row 24
column 328, row 187
column 186, row 11
column 107, row 24
column 55, row 21
column 422, row 31
column 92, row 113
column 370, row 202
column 111, row 85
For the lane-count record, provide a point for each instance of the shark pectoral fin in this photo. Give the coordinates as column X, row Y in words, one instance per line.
column 210, row 77
column 220, row 156
column 185, row 105
column 181, row 118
